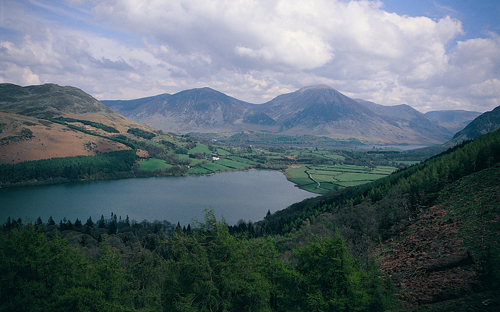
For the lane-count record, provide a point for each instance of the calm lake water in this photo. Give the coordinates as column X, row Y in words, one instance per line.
column 246, row 195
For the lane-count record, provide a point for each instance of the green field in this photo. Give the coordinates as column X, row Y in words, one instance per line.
column 313, row 169
column 233, row 164
column 239, row 159
column 200, row 148
column 214, row 167
column 325, row 178
column 198, row 170
column 222, row 151
column 297, row 175
column 153, row 164
column 195, row 161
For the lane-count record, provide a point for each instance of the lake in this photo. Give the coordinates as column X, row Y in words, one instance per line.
column 246, row 195
column 401, row 147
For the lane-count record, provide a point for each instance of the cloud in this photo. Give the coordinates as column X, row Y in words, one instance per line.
column 292, row 35
column 253, row 50
column 17, row 74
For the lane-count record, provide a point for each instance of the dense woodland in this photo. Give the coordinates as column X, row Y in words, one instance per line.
column 107, row 165
column 313, row 256
column 139, row 267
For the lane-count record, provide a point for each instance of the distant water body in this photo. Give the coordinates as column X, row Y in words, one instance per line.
column 246, row 195
column 401, row 147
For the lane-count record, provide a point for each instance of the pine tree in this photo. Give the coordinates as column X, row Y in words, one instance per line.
column 101, row 223
column 78, row 223
column 127, row 221
column 89, row 222
column 8, row 225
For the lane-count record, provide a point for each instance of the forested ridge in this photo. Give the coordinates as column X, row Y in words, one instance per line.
column 317, row 255
column 416, row 200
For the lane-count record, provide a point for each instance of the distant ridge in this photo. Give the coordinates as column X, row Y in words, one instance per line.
column 405, row 116
column 315, row 110
column 453, row 120
column 485, row 123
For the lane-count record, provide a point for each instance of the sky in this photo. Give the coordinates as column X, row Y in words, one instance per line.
column 429, row 54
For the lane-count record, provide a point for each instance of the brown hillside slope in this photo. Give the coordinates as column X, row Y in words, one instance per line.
column 441, row 256
column 26, row 138
column 26, row 133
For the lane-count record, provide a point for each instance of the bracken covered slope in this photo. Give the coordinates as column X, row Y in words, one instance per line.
column 28, row 130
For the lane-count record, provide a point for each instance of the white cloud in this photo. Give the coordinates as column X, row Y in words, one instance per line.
column 254, row 50
column 17, row 74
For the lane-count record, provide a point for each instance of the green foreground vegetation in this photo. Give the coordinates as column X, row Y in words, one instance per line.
column 200, row 269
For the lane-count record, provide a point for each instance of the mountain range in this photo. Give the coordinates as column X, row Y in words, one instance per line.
column 314, row 110
column 29, row 131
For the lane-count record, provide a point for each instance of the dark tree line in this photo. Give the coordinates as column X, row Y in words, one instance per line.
column 97, row 125
column 67, row 168
column 141, row 133
column 113, row 225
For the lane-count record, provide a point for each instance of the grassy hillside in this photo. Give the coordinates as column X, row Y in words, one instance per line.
column 51, row 121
